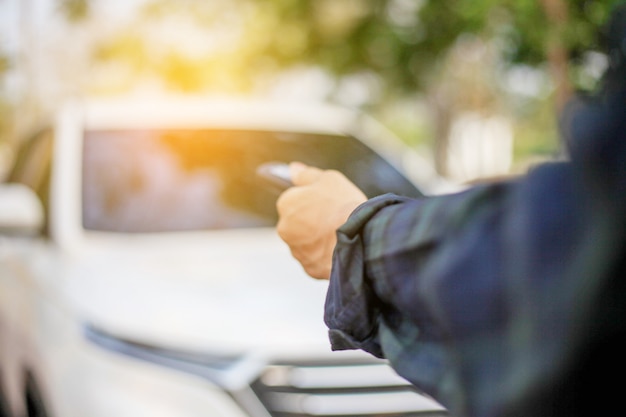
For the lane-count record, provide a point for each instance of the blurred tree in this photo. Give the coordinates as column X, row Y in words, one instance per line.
column 75, row 10
column 404, row 40
column 183, row 45
column 405, row 45
column 408, row 44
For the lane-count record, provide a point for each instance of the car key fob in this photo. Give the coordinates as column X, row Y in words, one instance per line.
column 276, row 174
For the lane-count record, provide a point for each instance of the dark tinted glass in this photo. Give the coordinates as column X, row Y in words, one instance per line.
column 171, row 180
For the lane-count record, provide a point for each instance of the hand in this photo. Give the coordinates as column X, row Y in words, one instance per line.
column 311, row 212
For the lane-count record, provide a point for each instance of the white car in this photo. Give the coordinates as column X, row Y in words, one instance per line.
column 141, row 274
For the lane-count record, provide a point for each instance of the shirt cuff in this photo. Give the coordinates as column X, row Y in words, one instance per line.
column 352, row 310
column 363, row 213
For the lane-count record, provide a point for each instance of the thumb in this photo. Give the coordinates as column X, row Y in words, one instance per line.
column 302, row 174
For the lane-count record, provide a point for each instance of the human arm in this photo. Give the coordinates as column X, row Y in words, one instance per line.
column 467, row 295
column 477, row 297
column 498, row 300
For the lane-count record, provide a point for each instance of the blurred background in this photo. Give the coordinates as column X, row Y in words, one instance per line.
column 473, row 84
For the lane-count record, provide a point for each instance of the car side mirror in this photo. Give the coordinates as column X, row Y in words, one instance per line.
column 21, row 211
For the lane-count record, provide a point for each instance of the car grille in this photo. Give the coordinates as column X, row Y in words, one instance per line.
column 331, row 389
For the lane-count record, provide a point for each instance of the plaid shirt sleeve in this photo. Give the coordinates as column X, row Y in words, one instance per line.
column 477, row 297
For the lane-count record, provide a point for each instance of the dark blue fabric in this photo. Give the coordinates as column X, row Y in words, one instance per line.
column 493, row 299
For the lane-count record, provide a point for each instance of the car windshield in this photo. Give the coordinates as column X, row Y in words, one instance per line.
column 142, row 181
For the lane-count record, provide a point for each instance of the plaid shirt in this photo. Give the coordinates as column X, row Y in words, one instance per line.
column 493, row 298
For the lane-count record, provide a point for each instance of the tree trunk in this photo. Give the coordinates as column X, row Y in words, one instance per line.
column 556, row 50
column 443, row 120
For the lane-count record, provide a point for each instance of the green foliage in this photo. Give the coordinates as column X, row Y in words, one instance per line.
column 404, row 41
column 408, row 45
column 536, row 133
column 75, row 10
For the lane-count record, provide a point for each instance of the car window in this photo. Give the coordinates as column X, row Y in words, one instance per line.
column 138, row 181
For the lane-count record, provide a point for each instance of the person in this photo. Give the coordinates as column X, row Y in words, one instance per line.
column 506, row 299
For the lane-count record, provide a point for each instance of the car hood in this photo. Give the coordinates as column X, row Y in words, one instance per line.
column 221, row 291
